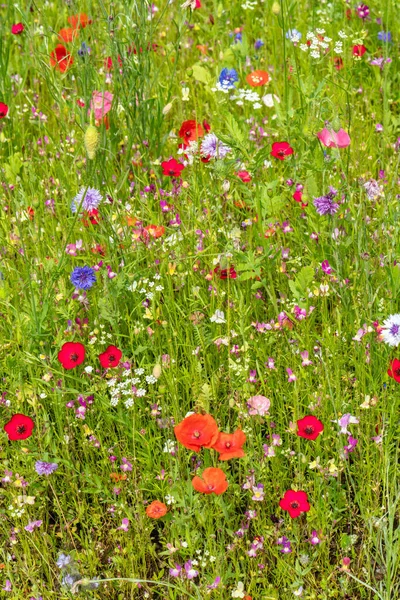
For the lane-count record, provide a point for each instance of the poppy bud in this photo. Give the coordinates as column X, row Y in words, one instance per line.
column 91, row 141
column 189, row 72
column 157, row 371
column 276, row 8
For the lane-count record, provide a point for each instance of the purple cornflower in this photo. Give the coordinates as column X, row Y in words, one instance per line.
column 363, row 11
column 83, row 278
column 88, row 201
column 63, row 560
column 212, row 147
column 45, row 468
column 258, row 44
column 325, row 205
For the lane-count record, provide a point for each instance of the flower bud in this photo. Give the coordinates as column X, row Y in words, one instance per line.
column 157, row 370
column 91, row 141
column 276, row 8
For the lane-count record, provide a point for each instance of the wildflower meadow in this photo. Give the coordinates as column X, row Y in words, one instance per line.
column 199, row 299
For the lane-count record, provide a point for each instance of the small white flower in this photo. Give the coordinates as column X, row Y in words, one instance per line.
column 239, row 592
column 342, row 35
column 270, row 99
column 218, row 317
column 185, row 94
column 89, row 369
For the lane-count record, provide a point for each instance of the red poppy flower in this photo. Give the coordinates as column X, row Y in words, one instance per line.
column 207, row 126
column 3, row 110
column 190, row 131
column 244, row 176
column 156, row 510
column 295, row 503
column 257, row 78
column 359, row 50
column 338, row 63
column 111, row 357
column 281, row 150
column 31, row 212
column 80, row 20
column 108, row 62
column 197, row 431
column 19, row 427
column 225, row 273
column 93, row 216
column 298, row 196
column 60, row 59
column 71, row 354
column 17, row 28
column 171, row 168
column 67, row 34
column 309, row 427
column 213, row 481
column 155, row 231
column 394, row 370
column 229, row 445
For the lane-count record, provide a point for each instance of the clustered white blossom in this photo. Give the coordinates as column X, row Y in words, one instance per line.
column 130, row 387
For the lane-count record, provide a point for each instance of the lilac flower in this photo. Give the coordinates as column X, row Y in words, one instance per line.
column 126, row 465
column 352, row 443
column 314, row 539
column 252, row 376
column 291, row 376
column 8, row 586
column 306, row 362
column 32, row 525
column 258, row 492
column 285, row 544
column 176, row 571
column 45, row 468
column 7, row 476
column 269, row 451
column 83, row 278
column 90, row 201
column 276, row 438
column 391, row 330
column 191, row 573
column 212, row 147
column 270, row 364
column 215, row 583
column 380, row 62
column 256, row 545
column 325, row 205
column 344, row 421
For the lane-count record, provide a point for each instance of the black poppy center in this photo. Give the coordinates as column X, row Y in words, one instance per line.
column 309, row 429
column 74, row 357
column 111, row 358
column 397, row 372
column 21, row 429
column 294, row 504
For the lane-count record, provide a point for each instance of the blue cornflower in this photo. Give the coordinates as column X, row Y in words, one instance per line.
column 84, row 50
column 45, row 468
column 91, row 200
column 258, row 44
column 228, row 78
column 385, row 36
column 293, row 35
column 238, row 37
column 63, row 560
column 83, row 278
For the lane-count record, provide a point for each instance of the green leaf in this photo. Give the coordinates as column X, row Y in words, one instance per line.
column 201, row 74
column 271, row 206
column 302, row 282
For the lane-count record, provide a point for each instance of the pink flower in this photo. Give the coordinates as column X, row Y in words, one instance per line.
column 333, row 139
column 101, row 103
column 258, row 405
column 291, row 375
column 124, row 525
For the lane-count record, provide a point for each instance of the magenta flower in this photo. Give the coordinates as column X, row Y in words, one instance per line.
column 191, row 573
column 126, row 465
column 32, row 525
column 333, row 139
column 270, row 364
column 291, row 376
column 124, row 525
column 325, row 266
column 175, row 571
column 314, row 539
column 258, row 492
column 214, row 584
column 306, row 361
